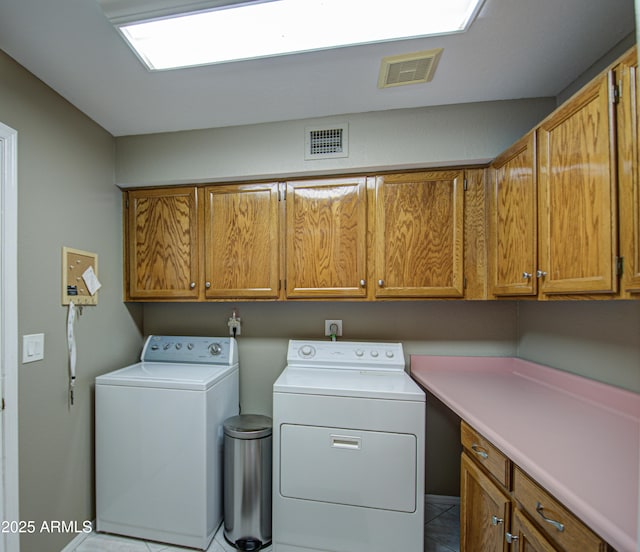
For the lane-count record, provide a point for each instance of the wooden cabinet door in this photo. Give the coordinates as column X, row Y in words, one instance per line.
column 577, row 194
column 629, row 171
column 512, row 221
column 484, row 511
column 418, row 234
column 241, row 241
column 525, row 537
column 326, row 238
column 163, row 244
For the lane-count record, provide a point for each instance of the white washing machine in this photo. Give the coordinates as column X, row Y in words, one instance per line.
column 159, row 438
column 348, row 442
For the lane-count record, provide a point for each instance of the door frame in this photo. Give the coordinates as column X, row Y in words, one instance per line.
column 9, row 496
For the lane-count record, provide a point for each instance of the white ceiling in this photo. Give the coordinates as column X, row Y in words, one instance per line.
column 515, row 49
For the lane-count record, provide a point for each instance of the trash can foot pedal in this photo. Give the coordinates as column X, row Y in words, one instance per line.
column 248, row 544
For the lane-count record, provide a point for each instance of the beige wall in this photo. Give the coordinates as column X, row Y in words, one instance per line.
column 404, row 138
column 66, row 196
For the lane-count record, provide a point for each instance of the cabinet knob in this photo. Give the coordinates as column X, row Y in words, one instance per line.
column 381, row 283
column 207, row 285
column 526, row 275
column 510, row 538
column 363, row 283
column 540, row 274
column 495, row 520
column 192, row 285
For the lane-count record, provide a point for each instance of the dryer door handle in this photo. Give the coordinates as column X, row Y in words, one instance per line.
column 346, row 442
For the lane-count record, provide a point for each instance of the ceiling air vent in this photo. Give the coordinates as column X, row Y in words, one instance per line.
column 408, row 68
column 327, row 142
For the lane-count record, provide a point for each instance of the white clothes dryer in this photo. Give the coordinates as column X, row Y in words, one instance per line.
column 159, row 438
column 348, row 442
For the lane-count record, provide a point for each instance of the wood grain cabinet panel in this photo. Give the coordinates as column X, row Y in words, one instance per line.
column 326, row 238
column 526, row 538
column 484, row 510
column 418, row 234
column 486, row 454
column 513, row 236
column 241, row 225
column 163, row 244
column 577, row 215
column 628, row 171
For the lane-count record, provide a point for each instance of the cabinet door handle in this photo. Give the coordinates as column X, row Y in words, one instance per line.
column 192, row 285
column 381, row 283
column 510, row 538
column 478, row 450
column 495, row 520
column 526, row 275
column 363, row 283
column 540, row 509
column 207, row 285
column 540, row 273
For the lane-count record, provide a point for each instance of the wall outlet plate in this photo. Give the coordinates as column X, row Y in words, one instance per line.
column 329, row 323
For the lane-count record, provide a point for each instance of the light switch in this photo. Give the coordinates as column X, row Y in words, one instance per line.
column 32, row 347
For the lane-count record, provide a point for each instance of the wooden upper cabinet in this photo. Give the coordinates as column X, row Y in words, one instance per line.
column 577, row 184
column 628, row 171
column 418, row 234
column 163, row 244
column 326, row 238
column 241, row 241
column 512, row 248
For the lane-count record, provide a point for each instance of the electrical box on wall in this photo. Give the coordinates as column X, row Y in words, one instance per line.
column 79, row 277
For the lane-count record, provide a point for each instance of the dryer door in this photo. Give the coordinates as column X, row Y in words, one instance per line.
column 343, row 466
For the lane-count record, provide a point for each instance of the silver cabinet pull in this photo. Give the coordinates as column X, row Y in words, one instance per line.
column 381, row 283
column 540, row 509
column 495, row 520
column 363, row 283
column 526, row 275
column 478, row 450
column 510, row 538
column 192, row 285
column 540, row 273
column 207, row 285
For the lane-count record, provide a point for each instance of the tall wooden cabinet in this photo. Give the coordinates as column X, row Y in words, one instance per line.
column 513, row 238
column 326, row 238
column 418, row 234
column 241, row 241
column 577, row 187
column 163, row 244
column 629, row 172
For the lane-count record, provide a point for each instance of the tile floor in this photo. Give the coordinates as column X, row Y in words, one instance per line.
column 442, row 534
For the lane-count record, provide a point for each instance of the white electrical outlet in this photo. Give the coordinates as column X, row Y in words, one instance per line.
column 330, row 329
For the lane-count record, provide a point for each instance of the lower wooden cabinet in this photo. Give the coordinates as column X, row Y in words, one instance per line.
column 512, row 512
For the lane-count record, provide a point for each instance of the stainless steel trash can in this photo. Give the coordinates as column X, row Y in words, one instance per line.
column 247, row 481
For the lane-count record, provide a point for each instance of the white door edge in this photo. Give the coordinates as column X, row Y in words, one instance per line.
column 9, row 497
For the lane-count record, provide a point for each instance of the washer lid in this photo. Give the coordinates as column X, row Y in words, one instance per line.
column 166, row 375
column 370, row 384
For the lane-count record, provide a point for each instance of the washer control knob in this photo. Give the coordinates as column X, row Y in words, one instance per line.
column 166, row 346
column 215, row 349
column 190, row 346
column 359, row 352
column 389, row 354
column 374, row 353
column 307, row 351
column 178, row 346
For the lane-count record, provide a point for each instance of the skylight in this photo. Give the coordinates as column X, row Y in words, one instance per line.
column 277, row 27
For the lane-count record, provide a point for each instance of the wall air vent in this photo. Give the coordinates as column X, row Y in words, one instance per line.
column 408, row 68
column 326, row 142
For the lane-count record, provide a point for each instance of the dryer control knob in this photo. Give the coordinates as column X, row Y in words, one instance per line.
column 307, row 351
column 389, row 354
column 374, row 354
column 359, row 352
column 215, row 349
